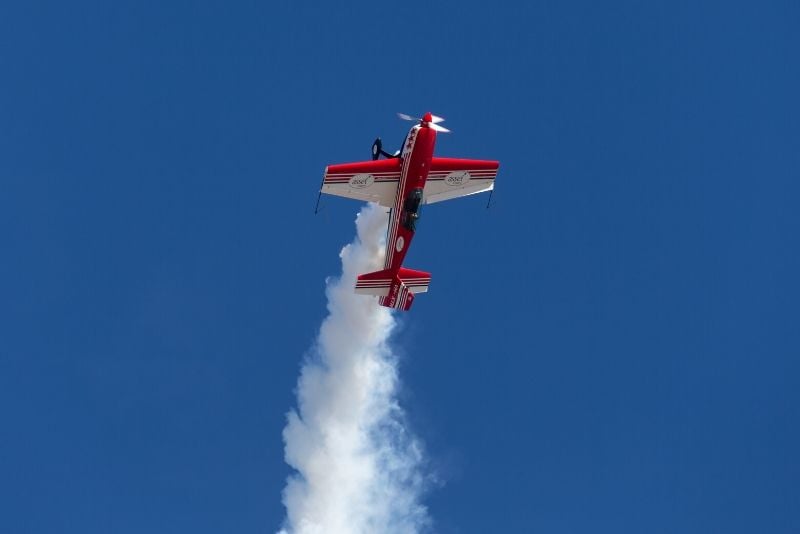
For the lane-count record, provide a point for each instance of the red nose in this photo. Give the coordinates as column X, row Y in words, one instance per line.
column 427, row 117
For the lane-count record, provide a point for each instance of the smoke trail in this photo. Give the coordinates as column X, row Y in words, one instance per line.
column 358, row 469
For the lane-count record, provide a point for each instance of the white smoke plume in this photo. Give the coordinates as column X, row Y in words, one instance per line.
column 358, row 469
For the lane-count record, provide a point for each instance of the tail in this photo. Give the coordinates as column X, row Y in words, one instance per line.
column 395, row 291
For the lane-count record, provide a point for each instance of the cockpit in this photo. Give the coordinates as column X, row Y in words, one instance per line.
column 411, row 209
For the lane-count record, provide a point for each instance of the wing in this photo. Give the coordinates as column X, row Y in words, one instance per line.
column 373, row 181
column 453, row 178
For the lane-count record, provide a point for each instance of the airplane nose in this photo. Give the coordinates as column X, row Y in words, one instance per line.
column 427, row 117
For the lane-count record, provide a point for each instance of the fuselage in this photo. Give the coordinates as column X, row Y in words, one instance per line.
column 416, row 157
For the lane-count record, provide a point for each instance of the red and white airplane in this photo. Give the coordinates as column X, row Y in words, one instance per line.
column 403, row 182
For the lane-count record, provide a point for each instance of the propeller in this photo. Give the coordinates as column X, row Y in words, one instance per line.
column 429, row 119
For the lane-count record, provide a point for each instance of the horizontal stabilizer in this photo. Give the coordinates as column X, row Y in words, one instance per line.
column 377, row 283
column 396, row 290
column 417, row 281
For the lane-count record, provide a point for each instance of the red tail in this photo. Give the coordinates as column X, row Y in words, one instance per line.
column 395, row 290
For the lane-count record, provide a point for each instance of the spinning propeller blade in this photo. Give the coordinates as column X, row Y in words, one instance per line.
column 433, row 123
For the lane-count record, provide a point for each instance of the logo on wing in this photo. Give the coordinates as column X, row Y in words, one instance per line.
column 457, row 178
column 361, row 181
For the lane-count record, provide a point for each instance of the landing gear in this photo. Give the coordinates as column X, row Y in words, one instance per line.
column 377, row 148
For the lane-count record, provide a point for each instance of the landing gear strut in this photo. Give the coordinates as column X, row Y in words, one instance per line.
column 377, row 150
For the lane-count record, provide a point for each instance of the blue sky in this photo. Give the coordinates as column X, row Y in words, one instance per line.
column 612, row 347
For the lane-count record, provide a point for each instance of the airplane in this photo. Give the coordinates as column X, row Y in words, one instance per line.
column 405, row 181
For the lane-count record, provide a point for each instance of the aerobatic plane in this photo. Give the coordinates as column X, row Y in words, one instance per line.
column 403, row 182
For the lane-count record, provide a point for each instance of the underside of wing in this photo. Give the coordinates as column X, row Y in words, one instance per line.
column 372, row 181
column 454, row 177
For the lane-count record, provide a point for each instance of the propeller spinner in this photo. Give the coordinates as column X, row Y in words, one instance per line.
column 432, row 121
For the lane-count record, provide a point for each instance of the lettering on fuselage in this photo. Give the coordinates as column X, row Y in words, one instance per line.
column 457, row 178
column 409, row 144
column 361, row 181
column 392, row 296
